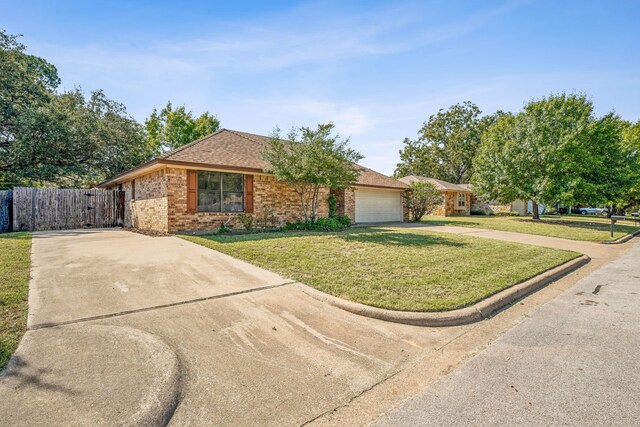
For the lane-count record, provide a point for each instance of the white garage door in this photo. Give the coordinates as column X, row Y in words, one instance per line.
column 373, row 205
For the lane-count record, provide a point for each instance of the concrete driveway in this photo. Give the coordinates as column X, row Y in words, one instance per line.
column 92, row 273
column 139, row 330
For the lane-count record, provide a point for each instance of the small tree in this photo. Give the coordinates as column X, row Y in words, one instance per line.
column 421, row 198
column 312, row 159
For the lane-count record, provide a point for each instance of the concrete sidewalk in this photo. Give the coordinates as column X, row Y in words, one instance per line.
column 595, row 251
column 573, row 362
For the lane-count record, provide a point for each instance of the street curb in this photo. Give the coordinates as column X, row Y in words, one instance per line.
column 78, row 357
column 622, row 239
column 474, row 313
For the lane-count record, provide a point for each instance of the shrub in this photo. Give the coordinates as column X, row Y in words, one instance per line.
column 266, row 221
column 321, row 224
column 478, row 212
column 344, row 220
column 333, row 205
column 512, row 213
column 421, row 198
column 223, row 229
column 247, row 221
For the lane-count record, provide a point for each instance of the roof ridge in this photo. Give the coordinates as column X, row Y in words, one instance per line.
column 192, row 143
column 244, row 135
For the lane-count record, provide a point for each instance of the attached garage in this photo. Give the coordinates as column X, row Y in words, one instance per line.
column 378, row 205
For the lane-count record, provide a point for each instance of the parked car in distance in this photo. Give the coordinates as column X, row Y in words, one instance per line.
column 592, row 211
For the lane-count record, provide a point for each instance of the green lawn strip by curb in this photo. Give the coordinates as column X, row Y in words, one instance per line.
column 594, row 229
column 15, row 263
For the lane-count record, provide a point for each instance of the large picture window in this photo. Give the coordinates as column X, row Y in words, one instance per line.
column 220, row 192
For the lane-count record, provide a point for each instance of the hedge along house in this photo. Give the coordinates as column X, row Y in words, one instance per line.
column 456, row 198
column 491, row 207
column 210, row 181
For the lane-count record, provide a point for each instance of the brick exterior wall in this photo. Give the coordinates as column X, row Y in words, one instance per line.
column 346, row 202
column 283, row 200
column 126, row 187
column 268, row 193
column 449, row 203
column 181, row 220
column 488, row 207
column 149, row 203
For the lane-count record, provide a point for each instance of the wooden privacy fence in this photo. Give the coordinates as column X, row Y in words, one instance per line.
column 6, row 202
column 62, row 209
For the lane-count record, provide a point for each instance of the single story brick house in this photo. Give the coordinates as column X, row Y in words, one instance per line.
column 456, row 198
column 460, row 200
column 210, row 181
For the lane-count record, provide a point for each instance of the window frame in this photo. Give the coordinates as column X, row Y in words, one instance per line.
column 464, row 205
column 222, row 192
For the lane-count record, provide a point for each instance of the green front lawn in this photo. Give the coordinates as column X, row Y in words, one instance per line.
column 15, row 263
column 400, row 269
column 588, row 228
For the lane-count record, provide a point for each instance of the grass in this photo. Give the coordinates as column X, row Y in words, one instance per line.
column 15, row 263
column 586, row 228
column 391, row 268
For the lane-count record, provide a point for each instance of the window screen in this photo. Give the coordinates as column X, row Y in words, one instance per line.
column 220, row 192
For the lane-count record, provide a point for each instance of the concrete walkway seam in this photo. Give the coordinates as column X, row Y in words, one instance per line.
column 155, row 307
column 479, row 311
column 622, row 239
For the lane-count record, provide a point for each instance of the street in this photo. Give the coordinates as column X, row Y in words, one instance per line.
column 575, row 361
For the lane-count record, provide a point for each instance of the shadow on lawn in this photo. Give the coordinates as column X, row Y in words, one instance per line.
column 379, row 236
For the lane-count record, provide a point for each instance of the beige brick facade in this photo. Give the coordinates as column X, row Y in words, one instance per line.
column 449, row 204
column 489, row 207
column 160, row 203
column 346, row 203
column 147, row 201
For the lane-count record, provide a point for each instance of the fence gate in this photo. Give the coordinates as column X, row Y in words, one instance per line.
column 62, row 209
column 6, row 204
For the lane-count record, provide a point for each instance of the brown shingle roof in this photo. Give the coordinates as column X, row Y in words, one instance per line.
column 440, row 184
column 370, row 178
column 225, row 147
column 231, row 149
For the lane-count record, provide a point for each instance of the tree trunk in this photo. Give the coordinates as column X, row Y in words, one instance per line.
column 535, row 212
column 314, row 203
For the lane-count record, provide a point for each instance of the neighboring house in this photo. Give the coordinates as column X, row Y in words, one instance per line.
column 456, row 198
column 211, row 181
column 460, row 200
column 489, row 207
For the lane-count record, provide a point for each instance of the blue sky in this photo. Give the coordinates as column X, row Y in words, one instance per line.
column 376, row 69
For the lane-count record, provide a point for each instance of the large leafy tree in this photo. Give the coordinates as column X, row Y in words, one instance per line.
column 73, row 141
column 26, row 82
column 173, row 128
column 312, row 159
column 60, row 139
column 551, row 152
column 447, row 144
column 608, row 175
